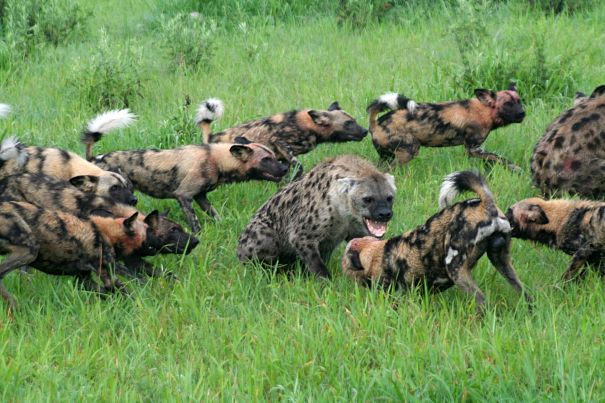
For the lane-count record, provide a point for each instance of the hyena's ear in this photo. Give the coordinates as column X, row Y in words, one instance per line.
column 129, row 221
column 345, row 184
column 579, row 97
column 486, row 97
column 600, row 90
column 241, row 152
column 86, row 183
column 153, row 219
column 320, row 118
column 391, row 181
column 512, row 86
column 535, row 215
column 334, row 106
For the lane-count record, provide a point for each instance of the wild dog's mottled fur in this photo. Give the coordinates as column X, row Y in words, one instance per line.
column 164, row 236
column 188, row 173
column 291, row 133
column 339, row 199
column 443, row 251
column 400, row 132
column 78, row 196
column 575, row 227
column 63, row 165
column 570, row 156
column 63, row 244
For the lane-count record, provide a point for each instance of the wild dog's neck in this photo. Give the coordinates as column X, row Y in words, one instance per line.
column 113, row 232
column 229, row 168
column 485, row 116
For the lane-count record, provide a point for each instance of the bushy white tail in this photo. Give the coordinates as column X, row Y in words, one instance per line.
column 5, row 110
column 12, row 149
column 108, row 121
column 209, row 110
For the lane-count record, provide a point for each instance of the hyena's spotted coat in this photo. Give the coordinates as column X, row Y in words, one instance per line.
column 570, row 156
column 339, row 199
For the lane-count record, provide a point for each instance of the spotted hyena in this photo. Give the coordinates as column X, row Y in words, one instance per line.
column 570, row 156
column 339, row 199
column 408, row 125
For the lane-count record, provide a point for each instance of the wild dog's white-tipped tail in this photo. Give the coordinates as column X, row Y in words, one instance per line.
column 390, row 100
column 12, row 149
column 209, row 110
column 108, row 121
column 5, row 110
column 458, row 182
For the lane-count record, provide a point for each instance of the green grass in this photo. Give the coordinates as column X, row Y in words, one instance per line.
column 233, row 332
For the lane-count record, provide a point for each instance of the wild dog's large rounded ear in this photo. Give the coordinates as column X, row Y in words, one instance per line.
column 600, row 90
column 334, row 106
column 320, row 118
column 241, row 152
column 345, row 185
column 512, row 86
column 130, row 220
column 165, row 212
column 486, row 97
column 86, row 183
column 391, row 181
column 153, row 219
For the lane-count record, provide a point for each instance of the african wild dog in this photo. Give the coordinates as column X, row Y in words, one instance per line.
column 400, row 132
column 341, row 198
column 15, row 158
column 443, row 251
column 570, row 156
column 288, row 134
column 577, row 227
column 190, row 172
column 63, row 244
column 164, row 236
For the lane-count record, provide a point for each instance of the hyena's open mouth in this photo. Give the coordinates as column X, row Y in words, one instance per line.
column 376, row 228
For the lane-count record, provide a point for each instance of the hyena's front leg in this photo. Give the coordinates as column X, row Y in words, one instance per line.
column 489, row 157
column 187, row 206
column 310, row 256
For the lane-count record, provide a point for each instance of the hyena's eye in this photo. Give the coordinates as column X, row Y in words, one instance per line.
column 114, row 188
column 368, row 199
column 389, row 199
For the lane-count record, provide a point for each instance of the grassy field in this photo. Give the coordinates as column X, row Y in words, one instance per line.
column 232, row 332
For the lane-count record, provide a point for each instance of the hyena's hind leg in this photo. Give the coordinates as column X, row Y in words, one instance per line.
column 259, row 242
column 498, row 252
column 20, row 255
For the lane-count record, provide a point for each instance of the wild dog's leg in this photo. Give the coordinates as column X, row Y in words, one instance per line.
column 20, row 255
column 187, row 206
column 576, row 269
column 284, row 153
column 84, row 279
column 498, row 252
column 405, row 148
column 204, row 203
column 478, row 152
column 459, row 262
column 136, row 266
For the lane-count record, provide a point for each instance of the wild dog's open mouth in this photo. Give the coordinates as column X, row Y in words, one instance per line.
column 376, row 228
column 274, row 178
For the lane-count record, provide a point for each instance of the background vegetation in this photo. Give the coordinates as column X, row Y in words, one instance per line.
column 227, row 331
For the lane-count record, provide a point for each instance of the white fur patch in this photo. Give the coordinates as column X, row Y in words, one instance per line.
column 451, row 254
column 9, row 150
column 390, row 98
column 210, row 109
column 108, row 121
column 497, row 225
column 411, row 106
column 448, row 191
column 5, row 110
column 345, row 185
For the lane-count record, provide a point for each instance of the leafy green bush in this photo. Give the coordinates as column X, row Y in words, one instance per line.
column 28, row 24
column 360, row 13
column 561, row 6
column 109, row 78
column 179, row 128
column 189, row 39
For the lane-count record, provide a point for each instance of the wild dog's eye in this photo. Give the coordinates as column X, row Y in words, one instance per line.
column 368, row 199
column 173, row 229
